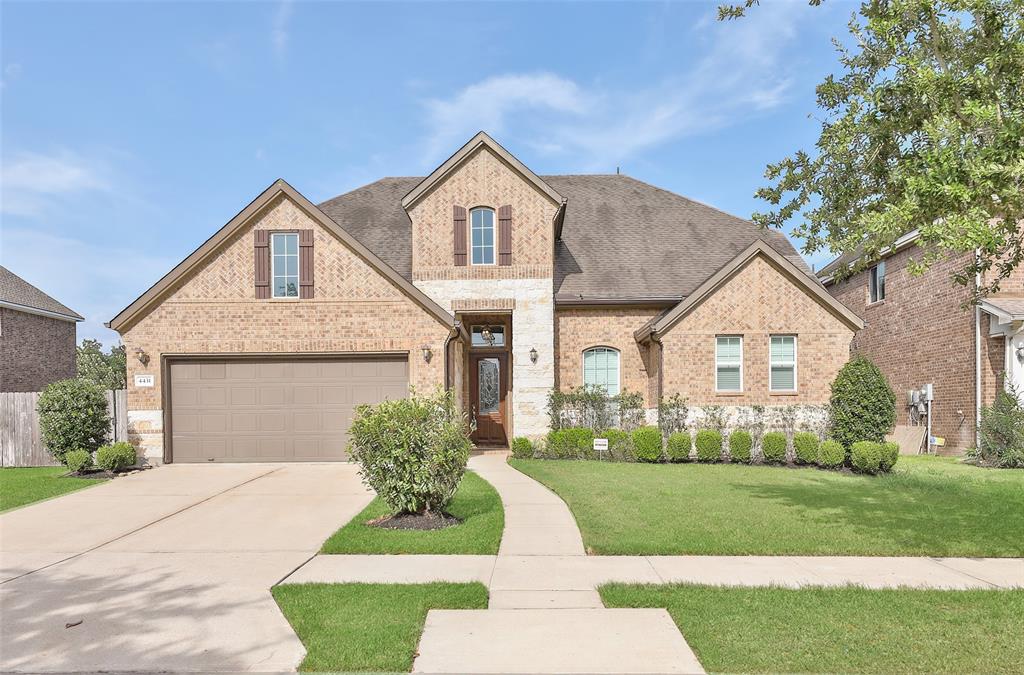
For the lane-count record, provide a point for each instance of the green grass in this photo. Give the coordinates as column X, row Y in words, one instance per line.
column 928, row 506
column 367, row 627
column 840, row 630
column 476, row 502
column 21, row 486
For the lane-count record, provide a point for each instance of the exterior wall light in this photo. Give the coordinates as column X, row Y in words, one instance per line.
column 427, row 353
column 533, row 355
column 142, row 356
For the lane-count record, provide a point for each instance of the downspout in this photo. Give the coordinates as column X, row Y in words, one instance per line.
column 977, row 356
column 448, row 356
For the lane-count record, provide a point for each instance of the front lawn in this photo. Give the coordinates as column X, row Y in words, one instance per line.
column 840, row 630
column 367, row 627
column 476, row 502
column 20, row 486
column 931, row 506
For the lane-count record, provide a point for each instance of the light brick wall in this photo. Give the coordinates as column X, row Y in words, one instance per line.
column 759, row 301
column 483, row 180
column 577, row 329
column 214, row 310
column 34, row 350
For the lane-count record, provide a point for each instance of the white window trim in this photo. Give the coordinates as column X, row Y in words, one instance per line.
column 298, row 267
column 494, row 238
column 618, row 366
column 873, row 279
column 729, row 365
column 796, row 360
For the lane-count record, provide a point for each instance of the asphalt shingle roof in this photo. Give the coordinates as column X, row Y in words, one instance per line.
column 17, row 291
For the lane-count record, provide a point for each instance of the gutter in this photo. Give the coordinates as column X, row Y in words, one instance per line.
column 899, row 244
column 666, row 300
column 40, row 312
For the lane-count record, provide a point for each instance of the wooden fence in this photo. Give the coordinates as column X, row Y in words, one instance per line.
column 21, row 444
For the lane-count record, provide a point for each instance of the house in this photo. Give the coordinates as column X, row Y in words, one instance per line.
column 37, row 336
column 920, row 330
column 484, row 278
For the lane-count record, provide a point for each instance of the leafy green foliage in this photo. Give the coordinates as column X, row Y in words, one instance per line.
column 116, row 457
column 863, row 404
column 72, row 416
column 522, row 447
column 620, row 446
column 773, row 447
column 672, row 414
column 741, row 443
column 866, row 456
column 109, row 370
column 592, row 407
column 831, row 454
column 805, row 447
column 78, row 460
column 889, row 454
column 679, row 445
column 570, row 443
column 1002, row 432
column 709, row 445
column 411, row 451
column 647, row 444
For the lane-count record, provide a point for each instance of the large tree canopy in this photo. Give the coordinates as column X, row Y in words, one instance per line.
column 923, row 130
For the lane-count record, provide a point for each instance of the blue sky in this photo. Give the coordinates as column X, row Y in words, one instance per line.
column 132, row 131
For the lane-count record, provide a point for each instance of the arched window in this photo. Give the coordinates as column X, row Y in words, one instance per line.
column 601, row 368
column 481, row 229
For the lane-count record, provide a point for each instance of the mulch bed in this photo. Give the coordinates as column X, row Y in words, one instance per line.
column 431, row 520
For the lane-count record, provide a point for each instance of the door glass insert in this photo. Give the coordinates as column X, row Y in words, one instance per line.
column 488, row 382
column 488, row 336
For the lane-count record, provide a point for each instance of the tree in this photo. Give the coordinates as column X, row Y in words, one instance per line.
column 72, row 416
column 923, row 130
column 863, row 405
column 106, row 370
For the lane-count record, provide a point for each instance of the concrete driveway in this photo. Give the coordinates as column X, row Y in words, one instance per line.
column 169, row 569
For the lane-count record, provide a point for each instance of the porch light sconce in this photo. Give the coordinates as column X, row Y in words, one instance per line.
column 533, row 355
column 487, row 335
column 427, row 353
column 142, row 356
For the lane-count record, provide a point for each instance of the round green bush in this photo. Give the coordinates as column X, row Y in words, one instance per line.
column 679, row 445
column 709, row 445
column 411, row 451
column 72, row 416
column 647, row 444
column 115, row 457
column 890, row 454
column 740, row 445
column 620, row 447
column 570, row 443
column 78, row 460
column 805, row 447
column 522, row 448
column 863, row 405
column 831, row 454
column 866, row 456
column 773, row 447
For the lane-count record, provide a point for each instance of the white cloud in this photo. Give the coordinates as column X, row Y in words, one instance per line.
column 30, row 180
column 279, row 34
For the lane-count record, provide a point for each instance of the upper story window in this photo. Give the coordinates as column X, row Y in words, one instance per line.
column 782, row 363
column 284, row 261
column 876, row 282
column 481, row 226
column 729, row 363
column 601, row 369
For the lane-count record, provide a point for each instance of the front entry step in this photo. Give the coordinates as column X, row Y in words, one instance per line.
column 553, row 641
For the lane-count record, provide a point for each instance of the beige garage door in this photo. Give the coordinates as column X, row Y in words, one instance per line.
column 274, row 410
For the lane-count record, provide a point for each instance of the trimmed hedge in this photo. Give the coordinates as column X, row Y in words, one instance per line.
column 863, row 404
column 866, row 456
column 78, row 460
column 773, row 446
column 647, row 444
column 805, row 447
column 620, row 448
column 115, row 457
column 522, row 448
column 679, row 445
column 570, row 443
column 709, row 445
column 740, row 445
column 890, row 455
column 831, row 454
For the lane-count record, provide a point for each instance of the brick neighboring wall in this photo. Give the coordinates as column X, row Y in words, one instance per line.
column 34, row 350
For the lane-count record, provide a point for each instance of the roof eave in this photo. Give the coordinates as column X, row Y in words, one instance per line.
column 38, row 311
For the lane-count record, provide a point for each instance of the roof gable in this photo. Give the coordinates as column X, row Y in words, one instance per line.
column 21, row 296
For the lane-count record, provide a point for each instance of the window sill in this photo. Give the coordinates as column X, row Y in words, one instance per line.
column 729, row 394
column 876, row 303
column 783, row 393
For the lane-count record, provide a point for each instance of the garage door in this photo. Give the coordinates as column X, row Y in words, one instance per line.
column 273, row 410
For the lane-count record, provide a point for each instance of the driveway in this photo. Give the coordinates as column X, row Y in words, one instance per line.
column 169, row 569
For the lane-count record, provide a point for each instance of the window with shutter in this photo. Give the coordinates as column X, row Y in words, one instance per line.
column 505, row 235
column 459, row 235
column 306, row 264
column 261, row 259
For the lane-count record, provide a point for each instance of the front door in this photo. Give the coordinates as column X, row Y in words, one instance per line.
column 488, row 384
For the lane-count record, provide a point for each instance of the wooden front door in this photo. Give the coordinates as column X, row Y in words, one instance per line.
column 488, row 385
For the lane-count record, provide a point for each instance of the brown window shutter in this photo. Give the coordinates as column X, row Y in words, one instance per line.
column 459, row 220
column 306, row 264
column 505, row 235
column 261, row 241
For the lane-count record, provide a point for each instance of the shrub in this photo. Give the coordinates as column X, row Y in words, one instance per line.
column 1001, row 432
column 522, row 448
column 831, row 454
column 647, row 444
column 72, row 416
column 78, row 460
column 570, row 443
column 709, row 445
column 773, row 447
column 672, row 414
column 805, row 447
column 890, row 454
column 740, row 445
column 679, row 444
column 863, row 404
column 866, row 456
column 411, row 451
column 115, row 457
column 620, row 449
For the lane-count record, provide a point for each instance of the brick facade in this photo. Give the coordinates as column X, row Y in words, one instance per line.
column 34, row 350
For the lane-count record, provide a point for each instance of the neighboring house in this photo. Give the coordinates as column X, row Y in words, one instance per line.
column 481, row 277
column 37, row 336
column 921, row 330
